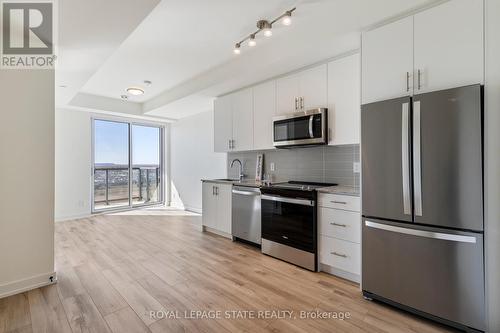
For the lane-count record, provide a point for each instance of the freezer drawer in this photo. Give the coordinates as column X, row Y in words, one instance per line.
column 428, row 269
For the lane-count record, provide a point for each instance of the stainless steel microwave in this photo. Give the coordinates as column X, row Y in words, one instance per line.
column 301, row 128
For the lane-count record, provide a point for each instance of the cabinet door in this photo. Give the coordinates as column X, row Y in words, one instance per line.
column 287, row 89
column 387, row 59
column 223, row 124
column 449, row 54
column 243, row 120
column 264, row 109
column 209, row 205
column 313, row 87
column 224, row 214
column 344, row 101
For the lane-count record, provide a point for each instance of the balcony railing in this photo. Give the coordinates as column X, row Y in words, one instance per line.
column 111, row 185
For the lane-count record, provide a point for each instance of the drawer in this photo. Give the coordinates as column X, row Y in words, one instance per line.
column 345, row 202
column 340, row 254
column 341, row 224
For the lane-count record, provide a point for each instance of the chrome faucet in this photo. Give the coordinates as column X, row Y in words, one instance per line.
column 241, row 175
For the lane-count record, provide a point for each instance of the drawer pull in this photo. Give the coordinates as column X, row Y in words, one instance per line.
column 339, row 202
column 338, row 254
column 339, row 225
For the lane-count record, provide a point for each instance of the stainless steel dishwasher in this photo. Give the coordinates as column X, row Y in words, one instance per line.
column 246, row 214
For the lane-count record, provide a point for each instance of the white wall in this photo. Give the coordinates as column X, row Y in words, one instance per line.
column 73, row 164
column 492, row 162
column 27, row 179
column 192, row 158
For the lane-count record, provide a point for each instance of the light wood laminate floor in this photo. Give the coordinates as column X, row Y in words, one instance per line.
column 114, row 269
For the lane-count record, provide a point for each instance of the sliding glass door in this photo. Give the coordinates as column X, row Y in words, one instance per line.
column 145, row 164
column 127, row 165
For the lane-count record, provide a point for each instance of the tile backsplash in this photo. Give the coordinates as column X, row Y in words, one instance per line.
column 328, row 164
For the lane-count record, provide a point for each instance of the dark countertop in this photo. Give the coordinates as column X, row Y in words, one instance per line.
column 340, row 190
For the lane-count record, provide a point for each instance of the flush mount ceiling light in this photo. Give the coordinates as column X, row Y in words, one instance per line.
column 266, row 27
column 135, row 91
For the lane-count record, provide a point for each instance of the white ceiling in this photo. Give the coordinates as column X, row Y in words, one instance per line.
column 185, row 47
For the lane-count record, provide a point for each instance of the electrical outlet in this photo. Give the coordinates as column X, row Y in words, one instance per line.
column 356, row 167
column 273, row 167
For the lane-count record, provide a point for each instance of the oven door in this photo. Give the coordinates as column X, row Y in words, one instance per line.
column 305, row 128
column 289, row 221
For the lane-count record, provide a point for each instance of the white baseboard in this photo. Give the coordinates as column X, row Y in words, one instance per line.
column 340, row 273
column 72, row 217
column 33, row 282
column 217, row 232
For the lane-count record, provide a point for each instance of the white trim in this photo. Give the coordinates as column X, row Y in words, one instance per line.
column 21, row 286
column 216, row 232
column 340, row 273
column 72, row 217
column 296, row 71
column 430, row 4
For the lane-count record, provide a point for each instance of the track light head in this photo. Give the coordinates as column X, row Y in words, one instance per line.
column 251, row 41
column 287, row 19
column 266, row 27
column 237, row 48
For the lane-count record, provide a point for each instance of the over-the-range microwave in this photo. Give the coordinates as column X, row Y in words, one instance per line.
column 302, row 128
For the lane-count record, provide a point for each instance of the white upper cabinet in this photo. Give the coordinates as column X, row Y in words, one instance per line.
column 302, row 91
column 264, row 109
column 287, row 92
column 223, row 124
column 313, row 88
column 344, row 100
column 242, row 107
column 439, row 48
column 449, row 49
column 387, row 61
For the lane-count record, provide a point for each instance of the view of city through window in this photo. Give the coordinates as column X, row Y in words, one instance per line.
column 121, row 148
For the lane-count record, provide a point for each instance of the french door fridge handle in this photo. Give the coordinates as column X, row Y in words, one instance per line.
column 405, row 158
column 417, row 159
column 311, row 132
column 421, row 233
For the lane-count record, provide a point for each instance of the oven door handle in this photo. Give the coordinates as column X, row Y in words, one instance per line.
column 303, row 202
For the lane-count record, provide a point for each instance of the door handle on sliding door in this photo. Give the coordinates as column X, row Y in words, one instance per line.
column 405, row 158
column 417, row 159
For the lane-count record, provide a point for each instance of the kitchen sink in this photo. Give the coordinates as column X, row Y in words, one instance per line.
column 228, row 180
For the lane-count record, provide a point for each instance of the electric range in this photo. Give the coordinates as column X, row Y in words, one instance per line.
column 289, row 222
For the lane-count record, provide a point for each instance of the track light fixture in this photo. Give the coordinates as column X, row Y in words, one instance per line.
column 267, row 29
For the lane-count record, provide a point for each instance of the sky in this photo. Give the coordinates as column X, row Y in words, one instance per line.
column 111, row 143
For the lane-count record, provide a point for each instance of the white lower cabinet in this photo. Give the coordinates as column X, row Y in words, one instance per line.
column 216, row 206
column 339, row 222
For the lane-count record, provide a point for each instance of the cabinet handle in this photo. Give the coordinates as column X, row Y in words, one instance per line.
column 232, row 144
column 339, row 254
column 302, row 103
column 419, row 74
column 338, row 225
column 296, row 103
column 229, row 144
column 339, row 202
column 407, row 81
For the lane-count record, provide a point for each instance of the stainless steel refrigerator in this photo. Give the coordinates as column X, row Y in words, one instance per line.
column 422, row 205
